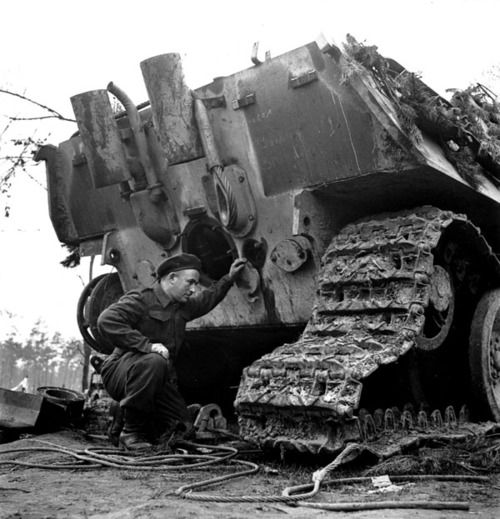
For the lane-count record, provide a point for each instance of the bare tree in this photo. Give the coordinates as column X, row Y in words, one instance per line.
column 16, row 157
column 16, row 152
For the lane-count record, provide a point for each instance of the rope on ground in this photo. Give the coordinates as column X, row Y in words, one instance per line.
column 350, row 452
column 298, row 494
column 51, row 466
column 379, row 505
column 115, row 458
column 186, row 490
column 99, row 457
column 395, row 478
column 356, row 506
column 212, row 498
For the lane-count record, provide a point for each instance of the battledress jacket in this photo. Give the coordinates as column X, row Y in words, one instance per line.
column 143, row 317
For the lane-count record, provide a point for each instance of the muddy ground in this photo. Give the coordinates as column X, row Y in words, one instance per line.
column 34, row 493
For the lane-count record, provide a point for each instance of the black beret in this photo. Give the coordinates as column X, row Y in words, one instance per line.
column 178, row 262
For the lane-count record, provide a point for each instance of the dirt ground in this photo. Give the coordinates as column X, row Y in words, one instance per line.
column 110, row 493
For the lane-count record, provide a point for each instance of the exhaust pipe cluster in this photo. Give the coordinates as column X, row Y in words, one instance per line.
column 174, row 126
column 137, row 157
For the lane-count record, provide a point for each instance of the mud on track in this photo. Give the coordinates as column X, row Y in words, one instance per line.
column 29, row 493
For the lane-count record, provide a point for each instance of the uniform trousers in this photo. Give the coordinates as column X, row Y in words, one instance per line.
column 145, row 386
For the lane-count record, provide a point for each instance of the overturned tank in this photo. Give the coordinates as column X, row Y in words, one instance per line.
column 367, row 206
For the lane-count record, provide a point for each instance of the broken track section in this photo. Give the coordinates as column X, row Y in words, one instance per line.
column 377, row 284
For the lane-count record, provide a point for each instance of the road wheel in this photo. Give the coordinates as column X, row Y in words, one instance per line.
column 439, row 312
column 484, row 354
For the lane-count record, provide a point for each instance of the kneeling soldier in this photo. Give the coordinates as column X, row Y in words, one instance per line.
column 147, row 328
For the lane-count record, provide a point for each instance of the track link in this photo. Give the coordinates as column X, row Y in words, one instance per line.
column 373, row 290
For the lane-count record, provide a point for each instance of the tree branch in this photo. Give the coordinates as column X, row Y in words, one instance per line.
column 55, row 113
column 2, row 133
column 18, row 162
column 36, row 180
column 62, row 118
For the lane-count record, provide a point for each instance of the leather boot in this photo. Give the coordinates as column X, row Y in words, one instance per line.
column 132, row 437
column 134, row 441
column 193, row 411
column 116, row 426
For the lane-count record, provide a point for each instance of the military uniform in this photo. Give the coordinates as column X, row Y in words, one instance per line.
column 144, row 383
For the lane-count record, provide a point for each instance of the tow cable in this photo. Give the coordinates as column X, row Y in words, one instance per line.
column 99, row 457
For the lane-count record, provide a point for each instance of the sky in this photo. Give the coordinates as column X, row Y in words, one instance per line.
column 54, row 49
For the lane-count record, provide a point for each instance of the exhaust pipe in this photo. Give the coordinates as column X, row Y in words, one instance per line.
column 172, row 107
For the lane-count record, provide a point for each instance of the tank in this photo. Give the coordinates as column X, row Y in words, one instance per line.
column 367, row 207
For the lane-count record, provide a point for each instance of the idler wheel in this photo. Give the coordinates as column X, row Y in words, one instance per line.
column 439, row 312
column 101, row 292
column 484, row 354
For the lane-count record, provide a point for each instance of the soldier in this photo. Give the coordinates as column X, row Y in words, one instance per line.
column 147, row 328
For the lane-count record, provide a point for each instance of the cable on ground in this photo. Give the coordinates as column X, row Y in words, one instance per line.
column 99, row 457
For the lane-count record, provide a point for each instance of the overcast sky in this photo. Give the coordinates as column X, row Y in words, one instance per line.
column 52, row 50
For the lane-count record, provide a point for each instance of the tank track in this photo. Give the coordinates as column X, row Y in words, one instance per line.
column 373, row 290
column 394, row 431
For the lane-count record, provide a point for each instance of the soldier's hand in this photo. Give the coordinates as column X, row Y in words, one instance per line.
column 161, row 350
column 237, row 266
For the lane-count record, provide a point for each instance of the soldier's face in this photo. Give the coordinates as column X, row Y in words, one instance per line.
column 181, row 285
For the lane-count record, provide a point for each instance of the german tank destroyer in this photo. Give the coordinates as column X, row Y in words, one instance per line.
column 368, row 208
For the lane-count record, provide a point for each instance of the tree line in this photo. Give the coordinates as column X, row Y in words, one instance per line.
column 43, row 359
